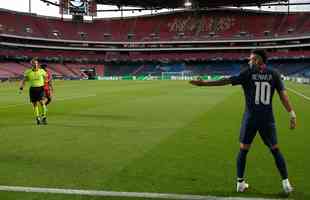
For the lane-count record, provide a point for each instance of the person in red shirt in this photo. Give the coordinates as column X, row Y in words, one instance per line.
column 48, row 86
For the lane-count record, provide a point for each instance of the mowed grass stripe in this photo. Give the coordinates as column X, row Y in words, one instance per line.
column 299, row 94
column 302, row 88
column 77, row 142
column 153, row 136
column 189, row 157
column 200, row 157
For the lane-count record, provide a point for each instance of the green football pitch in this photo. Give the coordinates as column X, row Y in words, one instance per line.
column 145, row 136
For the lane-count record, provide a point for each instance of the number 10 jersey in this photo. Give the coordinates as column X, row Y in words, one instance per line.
column 259, row 87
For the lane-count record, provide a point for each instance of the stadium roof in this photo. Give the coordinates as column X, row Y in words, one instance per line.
column 180, row 3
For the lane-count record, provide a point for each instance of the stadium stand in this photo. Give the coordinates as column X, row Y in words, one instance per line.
column 184, row 25
column 209, row 25
column 75, row 70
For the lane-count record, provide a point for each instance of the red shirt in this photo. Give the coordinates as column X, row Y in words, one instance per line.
column 47, row 80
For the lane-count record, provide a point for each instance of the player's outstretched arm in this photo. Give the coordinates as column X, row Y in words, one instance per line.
column 288, row 106
column 221, row 82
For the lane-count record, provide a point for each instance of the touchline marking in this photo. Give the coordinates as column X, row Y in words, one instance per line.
column 56, row 99
column 299, row 94
column 121, row 194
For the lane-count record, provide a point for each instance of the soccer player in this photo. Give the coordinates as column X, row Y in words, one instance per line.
column 259, row 83
column 48, row 86
column 36, row 77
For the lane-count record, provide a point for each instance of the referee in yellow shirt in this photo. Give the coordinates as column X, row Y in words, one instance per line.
column 36, row 77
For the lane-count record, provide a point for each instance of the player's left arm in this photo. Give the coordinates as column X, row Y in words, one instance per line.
column 288, row 106
column 285, row 100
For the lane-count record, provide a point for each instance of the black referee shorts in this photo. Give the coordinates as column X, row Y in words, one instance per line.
column 36, row 94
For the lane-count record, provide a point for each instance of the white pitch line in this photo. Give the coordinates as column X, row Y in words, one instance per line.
column 121, row 194
column 299, row 94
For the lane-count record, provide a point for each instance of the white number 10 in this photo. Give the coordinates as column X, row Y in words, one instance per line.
column 262, row 94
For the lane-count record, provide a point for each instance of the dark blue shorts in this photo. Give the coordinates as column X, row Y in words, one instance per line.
column 265, row 128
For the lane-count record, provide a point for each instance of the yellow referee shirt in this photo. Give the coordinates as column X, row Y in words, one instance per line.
column 35, row 78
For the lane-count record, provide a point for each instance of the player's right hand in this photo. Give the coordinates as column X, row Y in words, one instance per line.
column 293, row 123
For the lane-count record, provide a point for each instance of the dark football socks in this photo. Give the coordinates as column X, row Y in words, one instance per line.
column 241, row 161
column 280, row 162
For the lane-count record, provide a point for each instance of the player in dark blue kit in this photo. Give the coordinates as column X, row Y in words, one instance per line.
column 259, row 84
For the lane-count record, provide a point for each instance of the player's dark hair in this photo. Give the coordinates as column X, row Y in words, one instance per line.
column 43, row 66
column 260, row 53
